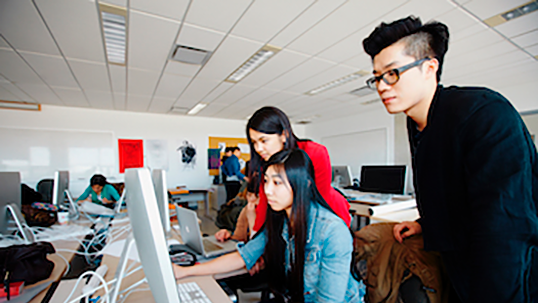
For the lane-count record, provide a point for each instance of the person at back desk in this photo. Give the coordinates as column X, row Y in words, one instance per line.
column 100, row 192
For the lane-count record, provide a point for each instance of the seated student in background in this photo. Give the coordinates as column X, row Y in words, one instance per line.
column 246, row 218
column 100, row 192
column 306, row 246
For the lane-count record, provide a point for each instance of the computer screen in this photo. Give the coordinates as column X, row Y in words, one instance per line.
column 149, row 235
column 61, row 184
column 341, row 176
column 161, row 193
column 10, row 193
column 385, row 179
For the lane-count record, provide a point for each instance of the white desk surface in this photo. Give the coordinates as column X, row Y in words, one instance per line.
column 410, row 214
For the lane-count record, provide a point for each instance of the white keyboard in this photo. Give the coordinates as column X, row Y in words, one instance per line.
column 190, row 292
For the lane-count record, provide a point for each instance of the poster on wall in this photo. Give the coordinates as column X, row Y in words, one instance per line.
column 213, row 157
column 156, row 154
column 131, row 154
column 187, row 154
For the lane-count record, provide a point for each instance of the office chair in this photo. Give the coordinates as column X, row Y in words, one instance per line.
column 44, row 187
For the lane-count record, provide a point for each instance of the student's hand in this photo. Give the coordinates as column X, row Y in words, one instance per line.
column 106, row 201
column 260, row 264
column 246, row 179
column 179, row 272
column 406, row 229
column 223, row 235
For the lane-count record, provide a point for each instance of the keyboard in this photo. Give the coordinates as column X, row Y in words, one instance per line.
column 210, row 246
column 190, row 292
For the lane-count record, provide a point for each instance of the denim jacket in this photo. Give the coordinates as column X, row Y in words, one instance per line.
column 329, row 245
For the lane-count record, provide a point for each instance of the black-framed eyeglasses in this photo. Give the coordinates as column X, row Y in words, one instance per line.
column 393, row 75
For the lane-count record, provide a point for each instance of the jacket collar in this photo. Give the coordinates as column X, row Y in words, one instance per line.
column 312, row 218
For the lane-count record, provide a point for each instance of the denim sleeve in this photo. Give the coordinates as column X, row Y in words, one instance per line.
column 253, row 249
column 85, row 194
column 335, row 263
column 236, row 170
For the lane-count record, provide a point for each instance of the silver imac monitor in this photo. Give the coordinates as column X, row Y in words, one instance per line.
column 10, row 193
column 61, row 184
column 149, row 235
column 161, row 193
column 341, row 176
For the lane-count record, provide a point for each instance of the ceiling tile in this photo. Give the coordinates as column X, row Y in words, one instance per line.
column 171, row 86
column 120, row 3
column 183, row 69
column 304, row 71
column 314, row 14
column 196, row 91
column 216, row 14
column 150, row 41
column 199, row 37
column 75, row 26
column 117, row 77
column 329, row 75
column 161, row 105
column 480, row 40
column 519, row 25
column 237, row 92
column 14, row 69
column 527, row 39
column 347, row 48
column 259, row 23
column 211, row 110
column 52, row 69
column 217, row 91
column 6, row 95
column 90, row 75
column 347, row 19
column 138, row 103
column 533, row 49
column 171, row 9
column 120, row 101
column 101, row 100
column 22, row 26
column 41, row 94
column 141, row 82
column 230, row 55
column 281, row 63
column 71, row 96
column 16, row 91
column 489, row 8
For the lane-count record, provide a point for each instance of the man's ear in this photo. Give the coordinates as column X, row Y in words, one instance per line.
column 431, row 67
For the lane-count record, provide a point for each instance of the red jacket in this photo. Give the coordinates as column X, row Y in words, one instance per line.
column 322, row 168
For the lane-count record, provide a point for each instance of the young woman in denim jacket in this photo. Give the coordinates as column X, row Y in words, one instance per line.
column 306, row 246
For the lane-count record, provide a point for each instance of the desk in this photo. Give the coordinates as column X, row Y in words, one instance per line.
column 410, row 214
column 179, row 196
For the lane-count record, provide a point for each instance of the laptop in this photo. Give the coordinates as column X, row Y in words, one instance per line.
column 95, row 209
column 189, row 229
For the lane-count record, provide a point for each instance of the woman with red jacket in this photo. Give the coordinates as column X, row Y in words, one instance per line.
column 268, row 132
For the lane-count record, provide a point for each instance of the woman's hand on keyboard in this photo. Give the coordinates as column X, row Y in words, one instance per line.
column 223, row 235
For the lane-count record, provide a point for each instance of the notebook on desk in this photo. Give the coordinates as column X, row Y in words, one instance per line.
column 192, row 237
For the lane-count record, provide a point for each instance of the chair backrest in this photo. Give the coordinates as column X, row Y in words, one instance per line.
column 44, row 187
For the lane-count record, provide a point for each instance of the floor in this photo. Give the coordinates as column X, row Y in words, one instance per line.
column 208, row 227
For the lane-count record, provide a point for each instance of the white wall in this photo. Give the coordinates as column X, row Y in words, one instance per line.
column 130, row 125
column 373, row 121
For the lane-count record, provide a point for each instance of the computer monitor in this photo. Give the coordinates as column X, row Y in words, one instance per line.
column 61, row 184
column 341, row 176
column 11, row 218
column 149, row 235
column 384, row 179
column 161, row 193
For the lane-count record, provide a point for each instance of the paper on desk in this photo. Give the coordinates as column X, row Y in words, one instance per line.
column 391, row 207
column 116, row 248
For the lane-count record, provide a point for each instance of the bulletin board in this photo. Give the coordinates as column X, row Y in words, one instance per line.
column 241, row 142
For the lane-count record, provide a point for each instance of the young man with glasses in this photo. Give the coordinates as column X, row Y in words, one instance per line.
column 474, row 164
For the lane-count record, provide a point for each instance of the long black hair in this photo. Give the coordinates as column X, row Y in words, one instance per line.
column 268, row 120
column 300, row 174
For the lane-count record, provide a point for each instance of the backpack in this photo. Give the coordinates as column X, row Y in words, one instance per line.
column 229, row 212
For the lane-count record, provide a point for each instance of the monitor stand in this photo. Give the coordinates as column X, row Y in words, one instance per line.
column 23, row 228
column 121, row 270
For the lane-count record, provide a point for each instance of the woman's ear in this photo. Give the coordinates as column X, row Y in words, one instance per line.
column 284, row 136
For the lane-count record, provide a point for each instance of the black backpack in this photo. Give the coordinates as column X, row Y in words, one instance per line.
column 229, row 212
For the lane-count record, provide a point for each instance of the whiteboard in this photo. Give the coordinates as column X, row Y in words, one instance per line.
column 38, row 153
column 357, row 149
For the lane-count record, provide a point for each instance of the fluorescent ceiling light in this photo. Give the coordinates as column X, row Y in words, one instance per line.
column 114, row 25
column 252, row 63
column 362, row 91
column 20, row 105
column 514, row 13
column 337, row 82
column 197, row 108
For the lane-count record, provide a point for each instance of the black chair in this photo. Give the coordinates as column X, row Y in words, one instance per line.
column 44, row 187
